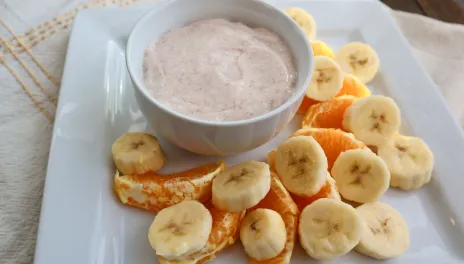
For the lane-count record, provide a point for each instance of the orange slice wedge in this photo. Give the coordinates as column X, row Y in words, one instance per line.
column 329, row 190
column 328, row 114
column 332, row 141
column 224, row 233
column 306, row 104
column 153, row 191
column 353, row 86
column 279, row 200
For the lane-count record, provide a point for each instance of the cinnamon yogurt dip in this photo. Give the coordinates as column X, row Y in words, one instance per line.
column 218, row 70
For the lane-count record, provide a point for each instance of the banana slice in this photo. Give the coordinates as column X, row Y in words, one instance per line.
column 358, row 59
column 320, row 48
column 304, row 20
column 137, row 153
column 241, row 186
column 334, row 192
column 180, row 230
column 263, row 234
column 385, row 233
column 329, row 228
column 301, row 165
column 326, row 81
column 374, row 120
column 360, row 175
column 409, row 160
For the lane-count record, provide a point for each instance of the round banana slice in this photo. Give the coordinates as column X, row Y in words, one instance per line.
column 334, row 193
column 263, row 234
column 241, row 186
column 137, row 153
column 180, row 230
column 409, row 160
column 358, row 59
column 385, row 233
column 360, row 175
column 304, row 20
column 374, row 120
column 329, row 228
column 320, row 48
column 301, row 165
column 326, row 81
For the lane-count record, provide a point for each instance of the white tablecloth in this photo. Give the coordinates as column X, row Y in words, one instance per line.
column 29, row 85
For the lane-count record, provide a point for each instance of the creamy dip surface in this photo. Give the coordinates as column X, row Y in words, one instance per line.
column 219, row 70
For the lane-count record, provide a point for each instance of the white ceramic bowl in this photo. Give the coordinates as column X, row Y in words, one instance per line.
column 207, row 137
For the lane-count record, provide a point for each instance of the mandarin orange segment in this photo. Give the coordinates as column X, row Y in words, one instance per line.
column 328, row 114
column 224, row 232
column 353, row 86
column 329, row 190
column 279, row 200
column 306, row 104
column 332, row 141
column 153, row 191
column 322, row 49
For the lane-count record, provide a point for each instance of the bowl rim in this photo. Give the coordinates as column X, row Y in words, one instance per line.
column 189, row 119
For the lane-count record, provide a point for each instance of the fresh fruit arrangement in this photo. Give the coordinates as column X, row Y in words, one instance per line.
column 322, row 185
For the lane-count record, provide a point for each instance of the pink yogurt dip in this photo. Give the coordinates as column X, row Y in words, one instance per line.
column 218, row 70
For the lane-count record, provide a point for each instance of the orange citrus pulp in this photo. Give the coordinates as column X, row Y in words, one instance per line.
column 279, row 200
column 153, row 191
column 332, row 141
column 224, row 232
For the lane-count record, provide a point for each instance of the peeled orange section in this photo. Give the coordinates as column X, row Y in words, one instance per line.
column 328, row 114
column 329, row 190
column 306, row 104
column 153, row 191
column 225, row 231
column 332, row 141
column 279, row 200
column 353, row 86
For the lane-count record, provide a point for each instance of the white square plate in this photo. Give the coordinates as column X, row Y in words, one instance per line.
column 83, row 222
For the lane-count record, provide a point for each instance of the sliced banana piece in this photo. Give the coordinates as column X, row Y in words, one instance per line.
column 304, row 20
column 409, row 160
column 180, row 230
column 301, row 165
column 137, row 153
column 263, row 234
column 326, row 81
column 334, row 192
column 241, row 186
column 320, row 48
column 329, row 228
column 358, row 59
column 360, row 175
column 385, row 233
column 374, row 120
